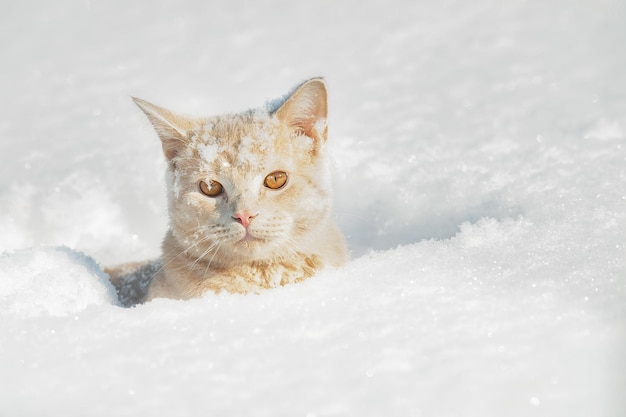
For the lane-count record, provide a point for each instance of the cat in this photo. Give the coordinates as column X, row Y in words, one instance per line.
column 249, row 201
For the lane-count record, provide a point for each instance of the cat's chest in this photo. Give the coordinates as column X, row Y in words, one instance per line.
column 257, row 276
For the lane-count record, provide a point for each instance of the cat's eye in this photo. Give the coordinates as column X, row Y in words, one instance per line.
column 212, row 189
column 276, row 180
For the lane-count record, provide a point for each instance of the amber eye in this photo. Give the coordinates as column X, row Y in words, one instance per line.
column 276, row 180
column 212, row 189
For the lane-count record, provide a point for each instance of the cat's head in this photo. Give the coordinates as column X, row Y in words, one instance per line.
column 248, row 186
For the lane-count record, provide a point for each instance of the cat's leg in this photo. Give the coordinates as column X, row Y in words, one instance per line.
column 131, row 280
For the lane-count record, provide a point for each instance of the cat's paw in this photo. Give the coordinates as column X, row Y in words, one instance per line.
column 51, row 281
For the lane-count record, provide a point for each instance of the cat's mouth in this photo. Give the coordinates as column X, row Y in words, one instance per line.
column 248, row 239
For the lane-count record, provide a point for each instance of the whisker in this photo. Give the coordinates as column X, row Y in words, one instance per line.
column 219, row 245
column 199, row 242
column 211, row 247
column 291, row 246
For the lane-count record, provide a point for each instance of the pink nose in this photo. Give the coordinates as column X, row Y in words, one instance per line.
column 244, row 218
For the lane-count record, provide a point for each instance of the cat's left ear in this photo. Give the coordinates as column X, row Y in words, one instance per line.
column 172, row 128
column 306, row 109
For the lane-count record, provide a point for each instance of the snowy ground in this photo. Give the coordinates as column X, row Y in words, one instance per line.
column 481, row 180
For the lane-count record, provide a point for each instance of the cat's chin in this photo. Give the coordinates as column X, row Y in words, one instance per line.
column 252, row 248
column 249, row 241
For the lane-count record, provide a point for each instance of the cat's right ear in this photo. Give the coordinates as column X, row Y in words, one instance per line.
column 172, row 128
column 306, row 108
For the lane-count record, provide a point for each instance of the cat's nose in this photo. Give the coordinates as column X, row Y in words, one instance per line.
column 244, row 218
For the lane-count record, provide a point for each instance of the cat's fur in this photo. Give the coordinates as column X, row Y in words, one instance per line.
column 249, row 237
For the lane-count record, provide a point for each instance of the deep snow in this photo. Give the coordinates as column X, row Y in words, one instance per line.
column 480, row 156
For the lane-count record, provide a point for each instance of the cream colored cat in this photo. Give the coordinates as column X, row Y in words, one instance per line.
column 249, row 199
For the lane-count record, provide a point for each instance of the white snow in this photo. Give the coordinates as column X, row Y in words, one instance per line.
column 208, row 151
column 480, row 158
column 51, row 281
column 246, row 155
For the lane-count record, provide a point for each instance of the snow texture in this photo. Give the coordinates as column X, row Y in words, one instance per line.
column 480, row 169
column 208, row 151
column 51, row 281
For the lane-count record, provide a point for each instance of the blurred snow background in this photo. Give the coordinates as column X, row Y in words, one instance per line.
column 480, row 155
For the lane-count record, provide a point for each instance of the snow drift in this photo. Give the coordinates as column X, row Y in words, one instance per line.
column 480, row 153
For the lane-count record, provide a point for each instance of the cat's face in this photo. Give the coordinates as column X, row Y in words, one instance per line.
column 249, row 186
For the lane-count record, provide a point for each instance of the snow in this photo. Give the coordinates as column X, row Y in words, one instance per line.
column 480, row 162
column 52, row 281
column 208, row 151
column 246, row 156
